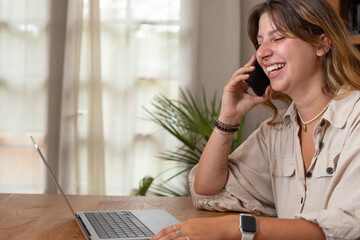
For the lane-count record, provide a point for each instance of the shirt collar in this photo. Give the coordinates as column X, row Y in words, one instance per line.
column 290, row 114
column 340, row 109
column 337, row 113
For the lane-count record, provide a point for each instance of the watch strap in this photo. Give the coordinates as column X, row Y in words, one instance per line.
column 247, row 236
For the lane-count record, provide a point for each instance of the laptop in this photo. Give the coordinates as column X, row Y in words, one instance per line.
column 116, row 225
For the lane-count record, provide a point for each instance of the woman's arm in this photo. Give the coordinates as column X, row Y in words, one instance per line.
column 227, row 228
column 279, row 229
column 212, row 171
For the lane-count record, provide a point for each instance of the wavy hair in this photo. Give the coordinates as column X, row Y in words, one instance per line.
column 307, row 20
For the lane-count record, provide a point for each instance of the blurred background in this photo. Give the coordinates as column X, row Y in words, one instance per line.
column 77, row 75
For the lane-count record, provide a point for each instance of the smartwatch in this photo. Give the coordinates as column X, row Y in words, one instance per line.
column 247, row 226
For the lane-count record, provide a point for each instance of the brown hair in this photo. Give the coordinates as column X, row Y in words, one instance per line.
column 307, row 20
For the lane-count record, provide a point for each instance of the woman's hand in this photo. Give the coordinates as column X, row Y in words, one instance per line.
column 236, row 102
column 221, row 228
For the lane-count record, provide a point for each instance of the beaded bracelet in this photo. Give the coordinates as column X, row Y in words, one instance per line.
column 226, row 127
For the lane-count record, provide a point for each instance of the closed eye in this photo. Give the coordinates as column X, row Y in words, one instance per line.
column 279, row 39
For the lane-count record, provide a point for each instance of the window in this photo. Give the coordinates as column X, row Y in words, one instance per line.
column 139, row 59
column 23, row 75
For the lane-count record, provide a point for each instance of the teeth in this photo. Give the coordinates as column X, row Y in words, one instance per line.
column 275, row 67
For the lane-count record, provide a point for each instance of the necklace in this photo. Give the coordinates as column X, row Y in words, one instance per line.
column 313, row 119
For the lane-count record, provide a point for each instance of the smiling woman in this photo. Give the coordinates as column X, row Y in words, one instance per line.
column 292, row 54
column 298, row 182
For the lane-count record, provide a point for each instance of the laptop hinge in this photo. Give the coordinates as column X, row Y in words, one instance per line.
column 83, row 227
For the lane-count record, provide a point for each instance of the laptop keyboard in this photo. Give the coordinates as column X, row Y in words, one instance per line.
column 121, row 224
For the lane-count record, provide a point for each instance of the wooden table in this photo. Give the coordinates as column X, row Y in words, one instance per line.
column 28, row 216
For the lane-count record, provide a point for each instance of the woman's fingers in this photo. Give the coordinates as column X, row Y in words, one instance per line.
column 247, row 67
column 243, row 71
column 171, row 232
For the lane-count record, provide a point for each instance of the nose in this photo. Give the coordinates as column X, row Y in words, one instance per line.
column 264, row 51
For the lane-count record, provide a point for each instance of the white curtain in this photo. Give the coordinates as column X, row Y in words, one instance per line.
column 68, row 145
column 121, row 62
column 108, row 59
column 146, row 55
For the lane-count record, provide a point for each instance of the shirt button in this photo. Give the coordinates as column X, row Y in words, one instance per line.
column 308, row 174
column 321, row 144
column 330, row 170
column 322, row 123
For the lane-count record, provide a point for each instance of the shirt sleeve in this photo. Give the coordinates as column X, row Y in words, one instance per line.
column 248, row 188
column 340, row 218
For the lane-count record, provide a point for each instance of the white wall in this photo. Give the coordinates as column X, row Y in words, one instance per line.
column 219, row 39
column 211, row 43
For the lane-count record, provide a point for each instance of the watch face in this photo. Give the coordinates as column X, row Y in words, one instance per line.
column 248, row 224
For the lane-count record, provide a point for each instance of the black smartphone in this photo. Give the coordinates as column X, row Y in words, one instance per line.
column 258, row 80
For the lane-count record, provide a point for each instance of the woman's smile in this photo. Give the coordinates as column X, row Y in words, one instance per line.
column 275, row 70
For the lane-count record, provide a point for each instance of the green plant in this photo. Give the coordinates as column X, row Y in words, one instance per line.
column 189, row 121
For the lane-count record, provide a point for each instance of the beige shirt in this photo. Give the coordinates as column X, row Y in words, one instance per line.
column 267, row 176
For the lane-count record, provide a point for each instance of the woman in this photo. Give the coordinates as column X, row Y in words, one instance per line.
column 303, row 165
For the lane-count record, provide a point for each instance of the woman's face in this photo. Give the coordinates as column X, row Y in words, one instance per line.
column 292, row 64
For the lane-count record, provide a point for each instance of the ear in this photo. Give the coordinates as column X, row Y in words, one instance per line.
column 323, row 48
